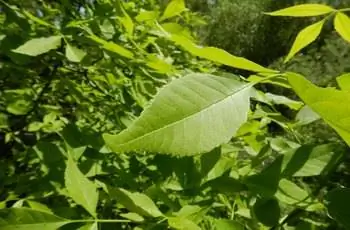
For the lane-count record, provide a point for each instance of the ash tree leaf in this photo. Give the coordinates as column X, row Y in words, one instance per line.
column 331, row 104
column 303, row 10
column 267, row 211
column 135, row 202
column 80, row 189
column 304, row 38
column 74, row 54
column 181, row 223
column 290, row 193
column 341, row 25
column 191, row 115
column 344, row 81
column 37, row 46
column 174, row 8
column 227, row 225
column 25, row 218
column 339, row 205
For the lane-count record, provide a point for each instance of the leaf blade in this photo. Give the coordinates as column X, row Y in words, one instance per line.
column 341, row 25
column 38, row 46
column 303, row 10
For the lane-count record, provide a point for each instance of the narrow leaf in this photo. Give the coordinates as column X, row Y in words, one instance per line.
column 342, row 25
column 25, row 218
column 303, row 10
column 182, row 224
column 39, row 46
column 344, row 81
column 191, row 115
column 74, row 54
column 227, row 225
column 174, row 8
column 218, row 55
column 331, row 104
column 80, row 189
column 305, row 37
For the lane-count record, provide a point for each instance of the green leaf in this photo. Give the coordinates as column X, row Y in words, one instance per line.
column 74, row 54
column 174, row 8
column 90, row 226
column 344, row 81
column 183, row 116
column 339, row 205
column 282, row 100
column 306, row 116
column 133, row 217
column 3, row 121
column 136, row 202
column 331, row 104
column 290, row 193
column 25, row 219
column 308, row 160
column 112, row 47
column 39, row 46
column 305, row 37
column 227, row 225
column 182, row 224
column 80, row 189
column 303, row 10
column 218, row 55
column 267, row 211
column 341, row 25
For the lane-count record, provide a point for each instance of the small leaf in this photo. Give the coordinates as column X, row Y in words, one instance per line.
column 306, row 116
column 39, row 46
column 339, row 205
column 133, row 217
column 25, row 218
column 341, row 24
column 182, row 224
column 290, row 193
column 305, row 37
column 331, row 104
column 135, row 202
column 183, row 116
column 218, row 55
column 282, row 100
column 344, row 81
column 80, row 189
column 267, row 211
column 74, row 54
column 303, row 10
column 174, row 8
column 220, row 224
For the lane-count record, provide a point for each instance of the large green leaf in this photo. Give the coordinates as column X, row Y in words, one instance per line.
column 290, row 193
column 82, row 191
column 191, row 115
column 37, row 46
column 303, row 10
column 218, row 55
column 305, row 37
column 331, row 104
column 25, row 219
column 339, row 205
column 175, row 7
column 341, row 25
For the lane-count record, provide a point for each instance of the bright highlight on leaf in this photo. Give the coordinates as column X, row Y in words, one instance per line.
column 303, row 10
column 305, row 37
column 174, row 8
column 191, row 115
column 342, row 25
column 39, row 46
column 331, row 104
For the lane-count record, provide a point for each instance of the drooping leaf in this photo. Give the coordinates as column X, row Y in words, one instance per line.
column 183, row 116
column 344, row 81
column 331, row 104
column 25, row 219
column 341, row 25
column 305, row 37
column 308, row 160
column 74, row 54
column 267, row 211
column 218, row 55
column 339, row 205
column 80, row 189
column 174, row 8
column 303, row 10
column 135, row 202
column 37, row 46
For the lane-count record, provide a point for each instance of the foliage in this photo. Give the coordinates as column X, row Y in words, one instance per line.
column 112, row 117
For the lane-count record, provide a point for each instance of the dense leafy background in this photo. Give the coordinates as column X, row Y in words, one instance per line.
column 94, row 92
